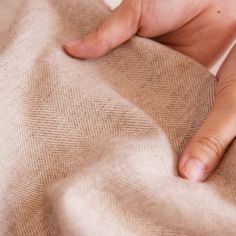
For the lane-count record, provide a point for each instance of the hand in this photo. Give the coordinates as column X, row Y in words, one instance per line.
column 201, row 29
column 204, row 152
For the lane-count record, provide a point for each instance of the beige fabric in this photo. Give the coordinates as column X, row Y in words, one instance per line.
column 8, row 10
column 90, row 148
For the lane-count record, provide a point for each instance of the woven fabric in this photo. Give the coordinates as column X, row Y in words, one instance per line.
column 91, row 147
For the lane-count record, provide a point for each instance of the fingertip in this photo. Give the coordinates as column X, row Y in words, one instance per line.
column 72, row 48
column 181, row 164
column 85, row 49
column 192, row 169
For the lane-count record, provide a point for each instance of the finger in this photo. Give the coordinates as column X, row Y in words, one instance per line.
column 115, row 30
column 204, row 152
column 227, row 70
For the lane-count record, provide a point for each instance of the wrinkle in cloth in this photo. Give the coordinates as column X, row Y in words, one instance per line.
column 91, row 147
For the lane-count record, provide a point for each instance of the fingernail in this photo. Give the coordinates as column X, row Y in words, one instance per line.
column 72, row 44
column 194, row 170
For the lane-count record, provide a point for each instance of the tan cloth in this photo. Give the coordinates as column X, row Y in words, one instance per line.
column 90, row 147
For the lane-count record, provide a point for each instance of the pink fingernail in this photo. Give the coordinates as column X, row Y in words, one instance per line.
column 72, row 44
column 194, row 170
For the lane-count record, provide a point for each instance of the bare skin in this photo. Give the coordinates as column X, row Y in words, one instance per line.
column 201, row 29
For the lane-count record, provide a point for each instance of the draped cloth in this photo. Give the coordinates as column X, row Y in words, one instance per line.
column 91, row 147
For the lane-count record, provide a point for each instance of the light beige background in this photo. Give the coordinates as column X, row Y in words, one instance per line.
column 8, row 9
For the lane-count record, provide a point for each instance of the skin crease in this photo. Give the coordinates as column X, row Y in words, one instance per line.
column 201, row 29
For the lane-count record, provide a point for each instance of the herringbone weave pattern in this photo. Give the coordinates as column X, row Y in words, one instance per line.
column 90, row 147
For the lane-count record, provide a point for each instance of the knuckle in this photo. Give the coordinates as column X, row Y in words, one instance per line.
column 211, row 144
column 227, row 87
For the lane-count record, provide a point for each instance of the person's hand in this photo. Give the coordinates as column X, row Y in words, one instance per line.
column 201, row 29
column 205, row 150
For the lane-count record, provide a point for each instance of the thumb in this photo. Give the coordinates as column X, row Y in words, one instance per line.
column 205, row 150
column 115, row 30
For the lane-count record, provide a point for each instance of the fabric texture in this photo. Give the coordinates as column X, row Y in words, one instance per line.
column 91, row 147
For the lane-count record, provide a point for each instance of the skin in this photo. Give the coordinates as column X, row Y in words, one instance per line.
column 201, row 29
